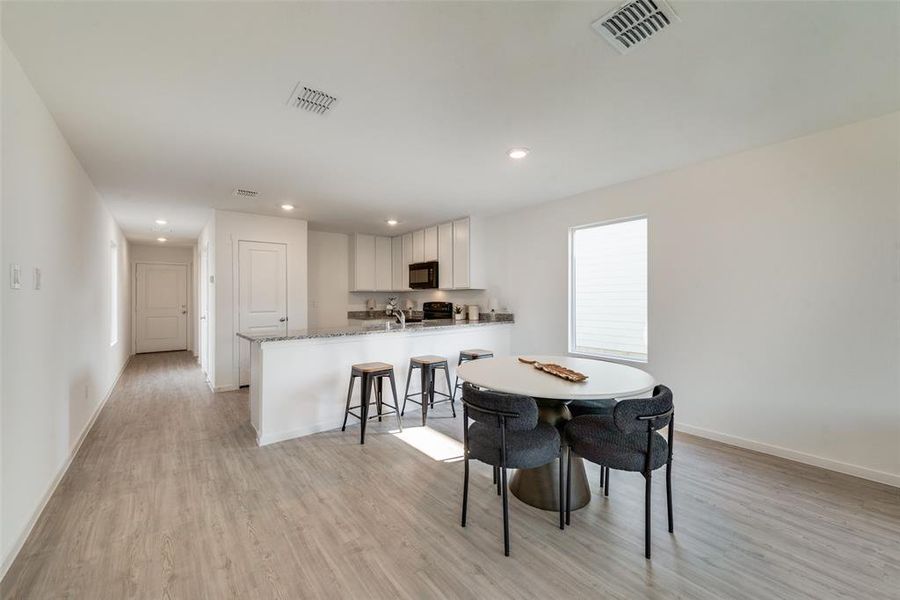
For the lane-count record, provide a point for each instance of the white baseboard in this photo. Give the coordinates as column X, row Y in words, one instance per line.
column 801, row 457
column 280, row 436
column 20, row 542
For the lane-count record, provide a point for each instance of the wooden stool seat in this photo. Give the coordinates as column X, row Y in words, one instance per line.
column 428, row 359
column 476, row 353
column 372, row 367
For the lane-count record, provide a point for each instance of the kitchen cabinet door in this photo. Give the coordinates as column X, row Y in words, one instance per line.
column 418, row 246
column 431, row 243
column 383, row 263
column 363, row 256
column 406, row 245
column 397, row 263
column 445, row 255
column 461, row 253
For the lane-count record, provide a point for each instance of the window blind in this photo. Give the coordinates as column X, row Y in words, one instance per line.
column 609, row 290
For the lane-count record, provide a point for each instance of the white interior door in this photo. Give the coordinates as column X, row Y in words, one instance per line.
column 160, row 307
column 262, row 301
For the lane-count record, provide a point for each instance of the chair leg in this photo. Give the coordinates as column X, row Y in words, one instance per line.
column 432, row 373
column 568, row 484
column 669, row 496
column 647, row 515
column 495, row 475
column 452, row 400
column 366, row 397
column 347, row 410
column 505, row 513
column 396, row 403
column 602, row 477
column 465, row 486
column 406, row 393
column 562, row 451
column 499, row 483
column 378, row 390
column 606, row 487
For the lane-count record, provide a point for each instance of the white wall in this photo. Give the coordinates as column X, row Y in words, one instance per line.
column 206, row 244
column 774, row 303
column 230, row 228
column 58, row 366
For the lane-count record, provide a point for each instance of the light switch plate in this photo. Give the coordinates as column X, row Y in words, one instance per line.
column 15, row 276
column 37, row 278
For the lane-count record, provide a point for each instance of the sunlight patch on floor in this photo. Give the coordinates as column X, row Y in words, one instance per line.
column 432, row 443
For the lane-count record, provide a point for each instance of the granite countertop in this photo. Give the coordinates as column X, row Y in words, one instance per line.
column 375, row 329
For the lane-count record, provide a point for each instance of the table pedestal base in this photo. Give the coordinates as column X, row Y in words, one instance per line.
column 540, row 487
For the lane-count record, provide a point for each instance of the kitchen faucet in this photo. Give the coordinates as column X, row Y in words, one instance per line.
column 396, row 312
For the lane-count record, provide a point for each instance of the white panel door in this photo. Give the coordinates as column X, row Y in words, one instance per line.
column 383, row 263
column 418, row 246
column 160, row 307
column 461, row 253
column 397, row 263
column 445, row 255
column 431, row 243
column 262, row 295
column 406, row 246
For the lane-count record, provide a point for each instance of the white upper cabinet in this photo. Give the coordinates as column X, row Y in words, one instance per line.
column 431, row 243
column 406, row 247
column 383, row 262
column 362, row 262
column 445, row 255
column 461, row 253
column 397, row 263
column 418, row 246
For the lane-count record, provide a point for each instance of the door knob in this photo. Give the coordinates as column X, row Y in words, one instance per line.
column 282, row 319
column 184, row 312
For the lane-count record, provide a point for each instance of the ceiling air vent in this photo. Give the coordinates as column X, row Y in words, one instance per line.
column 634, row 23
column 312, row 100
column 242, row 193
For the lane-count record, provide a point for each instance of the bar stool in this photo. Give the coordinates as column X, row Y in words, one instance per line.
column 467, row 355
column 427, row 366
column 371, row 374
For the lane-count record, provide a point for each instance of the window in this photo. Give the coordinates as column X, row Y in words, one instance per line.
column 608, row 295
column 113, row 294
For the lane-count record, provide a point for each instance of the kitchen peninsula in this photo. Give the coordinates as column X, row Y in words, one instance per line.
column 299, row 379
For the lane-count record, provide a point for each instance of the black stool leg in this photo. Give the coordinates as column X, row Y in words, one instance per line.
column 452, row 401
column 406, row 393
column 365, row 398
column 396, row 402
column 426, row 385
column 432, row 371
column 602, row 477
column 349, row 394
column 378, row 390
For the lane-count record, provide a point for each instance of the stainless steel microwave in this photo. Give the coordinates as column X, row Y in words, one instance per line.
column 423, row 275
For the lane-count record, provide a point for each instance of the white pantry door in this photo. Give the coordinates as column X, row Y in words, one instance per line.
column 262, row 302
column 161, row 307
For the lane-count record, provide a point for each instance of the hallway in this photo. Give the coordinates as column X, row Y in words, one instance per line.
column 170, row 497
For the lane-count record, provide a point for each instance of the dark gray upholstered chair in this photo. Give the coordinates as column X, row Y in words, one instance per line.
column 506, row 434
column 628, row 440
column 579, row 408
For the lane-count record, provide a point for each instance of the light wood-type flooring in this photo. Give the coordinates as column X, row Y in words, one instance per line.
column 169, row 497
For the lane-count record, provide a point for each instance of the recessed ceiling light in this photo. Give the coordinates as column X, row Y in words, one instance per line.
column 392, row 222
column 287, row 207
column 161, row 222
column 518, row 153
column 160, row 239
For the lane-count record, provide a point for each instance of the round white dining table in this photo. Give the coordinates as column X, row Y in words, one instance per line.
column 605, row 380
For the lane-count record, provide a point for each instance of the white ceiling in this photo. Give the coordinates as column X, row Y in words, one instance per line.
column 170, row 106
